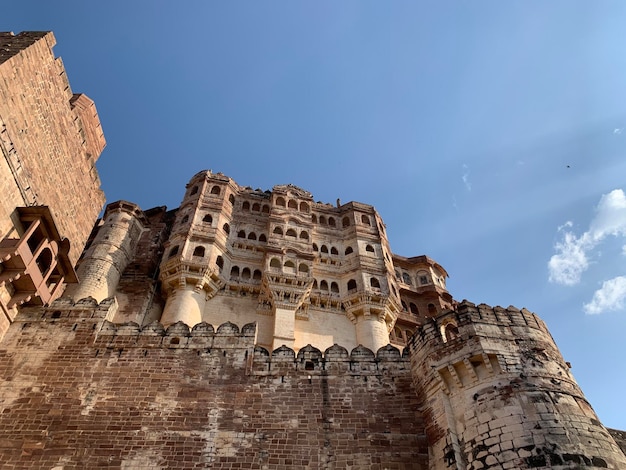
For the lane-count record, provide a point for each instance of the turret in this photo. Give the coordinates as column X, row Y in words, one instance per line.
column 497, row 393
column 196, row 250
column 110, row 252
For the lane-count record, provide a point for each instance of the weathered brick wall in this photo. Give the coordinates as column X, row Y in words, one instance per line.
column 49, row 138
column 79, row 392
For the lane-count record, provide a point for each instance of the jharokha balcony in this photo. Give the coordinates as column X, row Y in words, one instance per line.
column 35, row 266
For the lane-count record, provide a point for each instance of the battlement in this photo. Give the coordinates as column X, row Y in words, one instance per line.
column 468, row 320
column 228, row 336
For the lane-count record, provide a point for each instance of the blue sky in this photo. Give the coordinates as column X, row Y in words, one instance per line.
column 489, row 135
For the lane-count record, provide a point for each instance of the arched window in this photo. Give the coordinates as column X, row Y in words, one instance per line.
column 374, row 282
column 423, row 277
column 252, row 236
column 370, row 248
column 226, row 228
column 345, row 222
column 245, row 206
column 333, row 251
column 245, row 274
column 220, row 263
column 280, row 201
column 198, row 251
column 315, row 248
column 304, row 207
column 231, row 199
column 173, row 252
column 207, row 219
column 349, row 250
column 256, row 207
column 398, row 276
column 215, row 190
column 404, row 307
column 451, row 331
column 315, row 284
column 432, row 310
column 275, row 263
column 314, row 218
column 414, row 309
column 331, row 221
column 241, row 234
column 44, row 260
column 324, row 285
column 291, row 233
column 304, row 235
column 290, row 267
column 256, row 275
column 351, row 284
column 262, row 238
column 406, row 279
column 193, row 191
column 303, row 268
column 292, row 204
column 334, row 287
column 365, row 220
column 184, row 220
column 278, row 231
column 234, row 272
column 266, row 209
column 322, row 220
column 324, row 249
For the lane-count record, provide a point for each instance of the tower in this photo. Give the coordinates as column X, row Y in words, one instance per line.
column 110, row 252
column 496, row 393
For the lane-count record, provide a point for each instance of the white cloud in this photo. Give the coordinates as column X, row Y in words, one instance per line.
column 568, row 224
column 611, row 216
column 610, row 297
column 465, row 177
column 572, row 253
column 570, row 262
column 618, row 130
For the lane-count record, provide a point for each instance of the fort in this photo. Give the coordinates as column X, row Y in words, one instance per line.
column 246, row 328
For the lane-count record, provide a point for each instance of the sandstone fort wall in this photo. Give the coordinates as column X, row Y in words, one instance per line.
column 80, row 392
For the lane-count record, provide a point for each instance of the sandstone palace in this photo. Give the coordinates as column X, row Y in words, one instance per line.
column 245, row 329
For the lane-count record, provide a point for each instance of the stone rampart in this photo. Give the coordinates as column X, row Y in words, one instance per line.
column 497, row 393
column 77, row 391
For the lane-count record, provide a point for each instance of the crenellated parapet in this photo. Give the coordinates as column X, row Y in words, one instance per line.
column 177, row 336
column 204, row 337
column 497, row 393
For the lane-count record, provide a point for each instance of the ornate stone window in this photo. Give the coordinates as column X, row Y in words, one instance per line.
column 173, row 252
column 35, row 266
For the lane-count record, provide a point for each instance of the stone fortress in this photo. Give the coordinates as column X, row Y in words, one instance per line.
column 246, row 328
